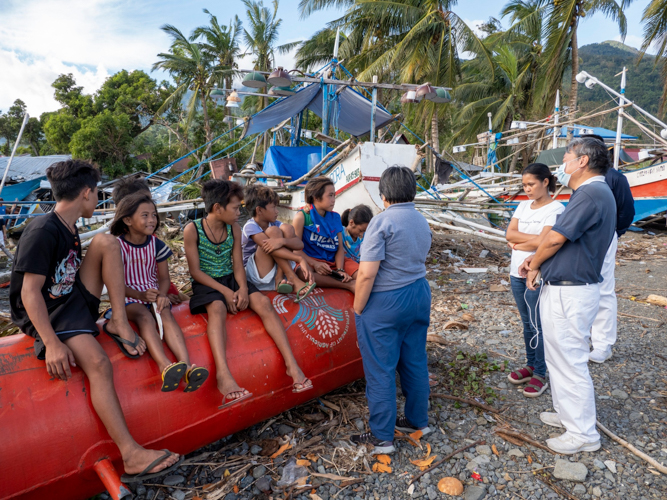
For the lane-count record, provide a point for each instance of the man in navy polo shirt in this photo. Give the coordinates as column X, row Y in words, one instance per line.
column 570, row 259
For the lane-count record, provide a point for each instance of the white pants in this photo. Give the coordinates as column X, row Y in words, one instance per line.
column 603, row 333
column 567, row 314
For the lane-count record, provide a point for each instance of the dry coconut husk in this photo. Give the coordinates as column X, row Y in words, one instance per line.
column 451, row 486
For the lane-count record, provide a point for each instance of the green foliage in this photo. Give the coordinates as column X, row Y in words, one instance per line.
column 59, row 129
column 72, row 97
column 468, row 372
column 105, row 138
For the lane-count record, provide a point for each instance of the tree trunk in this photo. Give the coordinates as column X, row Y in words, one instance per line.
column 575, row 69
column 207, row 130
column 435, row 136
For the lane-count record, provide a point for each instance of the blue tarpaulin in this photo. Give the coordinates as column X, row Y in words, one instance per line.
column 349, row 111
column 284, row 160
column 18, row 192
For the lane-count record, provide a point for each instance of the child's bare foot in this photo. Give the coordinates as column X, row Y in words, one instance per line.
column 139, row 459
column 126, row 332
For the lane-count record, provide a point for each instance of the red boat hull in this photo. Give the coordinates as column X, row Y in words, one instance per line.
column 51, row 438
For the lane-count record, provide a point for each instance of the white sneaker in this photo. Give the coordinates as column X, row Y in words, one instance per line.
column 551, row 419
column 565, row 444
column 599, row 356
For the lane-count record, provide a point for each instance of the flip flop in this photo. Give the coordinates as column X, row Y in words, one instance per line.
column 195, row 377
column 144, row 475
column 231, row 402
column 120, row 341
column 172, row 375
column 284, row 287
column 303, row 385
column 308, row 287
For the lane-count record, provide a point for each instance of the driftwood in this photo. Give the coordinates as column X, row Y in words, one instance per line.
column 523, row 437
column 437, row 464
column 467, row 401
column 555, row 487
column 634, row 450
column 657, row 300
column 639, row 317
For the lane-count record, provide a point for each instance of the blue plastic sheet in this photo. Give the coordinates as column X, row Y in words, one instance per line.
column 285, row 160
column 21, row 190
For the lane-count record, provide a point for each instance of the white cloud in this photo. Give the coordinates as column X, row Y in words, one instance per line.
column 474, row 26
column 88, row 38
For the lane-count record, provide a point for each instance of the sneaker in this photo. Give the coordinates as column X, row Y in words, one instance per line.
column 565, row 444
column 599, row 356
column 379, row 447
column 404, row 425
column 551, row 419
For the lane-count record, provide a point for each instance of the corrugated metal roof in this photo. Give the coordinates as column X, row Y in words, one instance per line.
column 25, row 168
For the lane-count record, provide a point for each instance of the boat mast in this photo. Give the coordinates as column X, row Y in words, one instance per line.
column 556, row 129
column 619, row 126
column 325, row 94
column 16, row 145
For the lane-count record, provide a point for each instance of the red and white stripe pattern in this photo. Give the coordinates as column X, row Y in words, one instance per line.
column 140, row 266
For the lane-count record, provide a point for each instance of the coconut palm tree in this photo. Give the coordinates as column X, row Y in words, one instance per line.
column 193, row 69
column 221, row 43
column 655, row 32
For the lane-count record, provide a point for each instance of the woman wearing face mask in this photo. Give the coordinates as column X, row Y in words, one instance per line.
column 531, row 221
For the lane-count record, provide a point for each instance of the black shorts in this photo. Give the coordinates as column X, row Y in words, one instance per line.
column 203, row 295
column 76, row 316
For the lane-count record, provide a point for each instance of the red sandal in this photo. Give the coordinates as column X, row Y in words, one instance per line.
column 535, row 387
column 520, row 376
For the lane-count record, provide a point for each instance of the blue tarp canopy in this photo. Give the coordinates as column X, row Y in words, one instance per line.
column 284, row 160
column 18, row 192
column 349, row 111
column 605, row 133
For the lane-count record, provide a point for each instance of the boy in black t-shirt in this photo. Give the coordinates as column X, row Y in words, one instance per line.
column 54, row 297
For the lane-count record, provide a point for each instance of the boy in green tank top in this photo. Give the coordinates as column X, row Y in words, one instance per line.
column 219, row 285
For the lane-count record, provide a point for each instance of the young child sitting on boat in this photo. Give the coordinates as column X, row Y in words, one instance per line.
column 130, row 185
column 146, row 285
column 321, row 231
column 269, row 246
column 54, row 296
column 355, row 221
column 219, row 285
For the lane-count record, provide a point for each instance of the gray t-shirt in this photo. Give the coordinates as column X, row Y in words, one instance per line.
column 400, row 239
column 250, row 229
column 588, row 222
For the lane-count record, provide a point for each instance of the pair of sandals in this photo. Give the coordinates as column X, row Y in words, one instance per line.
column 305, row 385
column 538, row 383
column 285, row 288
column 172, row 375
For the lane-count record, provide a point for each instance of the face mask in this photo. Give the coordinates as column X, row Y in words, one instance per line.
column 562, row 176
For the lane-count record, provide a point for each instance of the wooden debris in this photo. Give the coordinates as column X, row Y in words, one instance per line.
column 467, row 317
column 455, row 325
column 497, row 288
column 522, row 437
column 657, row 300
column 634, row 450
column 437, row 339
column 555, row 487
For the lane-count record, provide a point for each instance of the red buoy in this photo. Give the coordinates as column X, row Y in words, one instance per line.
column 53, row 445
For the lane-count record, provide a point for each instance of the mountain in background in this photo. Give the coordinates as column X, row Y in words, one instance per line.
column 604, row 61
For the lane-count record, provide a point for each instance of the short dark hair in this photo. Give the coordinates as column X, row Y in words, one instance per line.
column 598, row 156
column 128, row 185
column 316, row 187
column 541, row 172
column 361, row 214
column 398, row 185
column 259, row 196
column 221, row 192
column 68, row 178
column 126, row 208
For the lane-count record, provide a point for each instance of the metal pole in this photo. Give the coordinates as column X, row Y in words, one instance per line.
column 373, row 107
column 619, row 126
column 325, row 116
column 16, row 145
column 556, row 129
column 488, row 142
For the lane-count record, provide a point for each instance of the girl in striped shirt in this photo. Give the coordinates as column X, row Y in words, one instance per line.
column 146, row 285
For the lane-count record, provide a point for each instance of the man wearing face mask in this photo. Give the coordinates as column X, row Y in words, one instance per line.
column 570, row 259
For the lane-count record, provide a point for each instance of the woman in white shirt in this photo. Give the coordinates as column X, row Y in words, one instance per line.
column 531, row 221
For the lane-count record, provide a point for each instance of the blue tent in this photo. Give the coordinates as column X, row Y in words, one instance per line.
column 605, row 133
column 349, row 111
column 284, row 160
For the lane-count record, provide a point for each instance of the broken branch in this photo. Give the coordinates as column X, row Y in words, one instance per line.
column 634, row 450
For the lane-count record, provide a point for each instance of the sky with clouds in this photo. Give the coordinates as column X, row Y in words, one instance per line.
column 92, row 39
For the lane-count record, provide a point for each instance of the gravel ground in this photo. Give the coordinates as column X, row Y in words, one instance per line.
column 631, row 392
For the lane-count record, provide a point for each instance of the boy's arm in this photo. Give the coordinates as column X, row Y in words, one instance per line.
column 192, row 256
column 59, row 357
column 241, row 295
column 283, row 252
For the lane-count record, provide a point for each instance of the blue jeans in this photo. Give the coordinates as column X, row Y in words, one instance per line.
column 391, row 332
column 528, row 309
